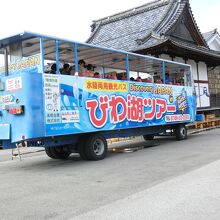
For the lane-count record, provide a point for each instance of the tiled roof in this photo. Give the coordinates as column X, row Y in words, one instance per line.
column 195, row 48
column 210, row 34
column 180, row 44
column 141, row 27
column 121, row 31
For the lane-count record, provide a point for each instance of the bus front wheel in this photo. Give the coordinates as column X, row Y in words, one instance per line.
column 57, row 153
column 181, row 132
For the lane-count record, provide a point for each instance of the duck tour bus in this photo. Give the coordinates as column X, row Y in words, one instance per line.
column 71, row 97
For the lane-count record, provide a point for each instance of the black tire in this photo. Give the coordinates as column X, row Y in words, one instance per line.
column 49, row 153
column 148, row 137
column 95, row 147
column 57, row 153
column 181, row 132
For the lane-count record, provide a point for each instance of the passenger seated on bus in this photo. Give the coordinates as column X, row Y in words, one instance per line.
column 147, row 80
column 132, row 79
column 177, row 81
column 89, row 72
column 168, row 80
column 47, row 69
column 124, row 77
column 72, row 70
column 139, row 79
column 53, row 68
column 114, row 76
column 119, row 76
column 81, row 67
column 158, row 80
column 97, row 75
column 66, row 69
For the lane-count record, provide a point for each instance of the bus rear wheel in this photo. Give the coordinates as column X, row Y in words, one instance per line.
column 94, row 147
column 148, row 137
column 180, row 132
column 57, row 153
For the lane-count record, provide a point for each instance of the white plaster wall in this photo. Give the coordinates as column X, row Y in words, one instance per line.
column 203, row 72
column 214, row 44
column 193, row 68
column 165, row 56
column 179, row 60
column 202, row 94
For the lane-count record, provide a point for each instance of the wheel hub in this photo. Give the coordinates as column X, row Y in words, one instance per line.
column 98, row 147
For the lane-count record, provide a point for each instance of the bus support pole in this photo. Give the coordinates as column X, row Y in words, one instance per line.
column 57, row 56
column 163, row 72
column 103, row 71
column 42, row 53
column 76, row 59
column 127, row 66
column 6, row 60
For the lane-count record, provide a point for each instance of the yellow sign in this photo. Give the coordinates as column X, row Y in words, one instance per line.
column 107, row 86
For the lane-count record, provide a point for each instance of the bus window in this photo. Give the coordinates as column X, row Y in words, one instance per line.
column 15, row 52
column 143, row 69
column 177, row 74
column 104, row 63
column 49, row 56
column 58, row 57
column 2, row 63
column 90, row 61
column 66, row 58
column 5, row 58
column 20, row 56
column 172, row 75
column 115, row 65
column 187, row 75
column 28, row 58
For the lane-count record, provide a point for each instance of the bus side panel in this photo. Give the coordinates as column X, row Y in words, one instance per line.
column 34, row 106
column 78, row 104
column 24, row 89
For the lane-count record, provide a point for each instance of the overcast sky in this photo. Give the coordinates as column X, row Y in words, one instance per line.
column 72, row 19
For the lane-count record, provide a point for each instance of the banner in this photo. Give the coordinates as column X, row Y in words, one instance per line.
column 30, row 64
column 77, row 104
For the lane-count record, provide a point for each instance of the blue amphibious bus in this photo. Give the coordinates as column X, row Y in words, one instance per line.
column 70, row 97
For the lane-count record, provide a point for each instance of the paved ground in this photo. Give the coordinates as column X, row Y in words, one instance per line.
column 195, row 195
column 172, row 180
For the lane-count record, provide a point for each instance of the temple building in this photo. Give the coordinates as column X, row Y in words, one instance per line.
column 166, row 29
column 213, row 40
